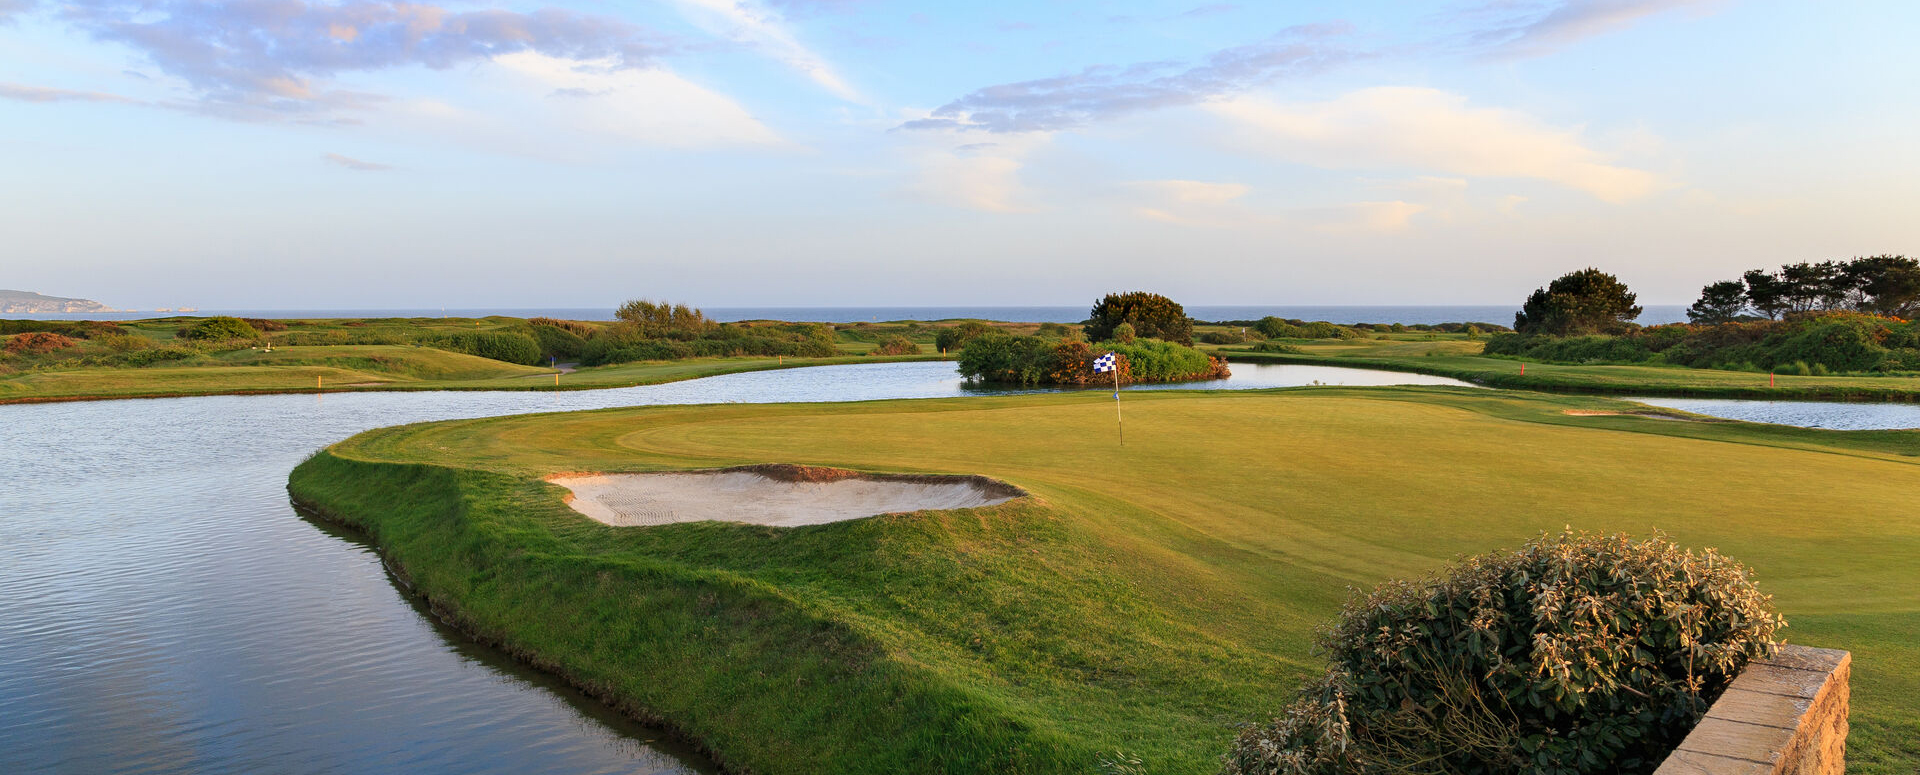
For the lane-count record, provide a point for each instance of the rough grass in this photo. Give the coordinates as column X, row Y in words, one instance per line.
column 1452, row 355
column 1145, row 600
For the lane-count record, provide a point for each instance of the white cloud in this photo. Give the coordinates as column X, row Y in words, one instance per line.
column 975, row 176
column 1368, row 217
column 753, row 24
column 1390, row 128
column 647, row 106
column 1192, row 203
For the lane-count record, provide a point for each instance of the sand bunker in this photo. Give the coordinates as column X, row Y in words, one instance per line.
column 783, row 496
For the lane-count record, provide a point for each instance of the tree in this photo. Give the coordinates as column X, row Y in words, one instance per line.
column 1151, row 314
column 1720, row 302
column 1809, row 287
column 1765, row 292
column 1585, row 302
column 1886, row 285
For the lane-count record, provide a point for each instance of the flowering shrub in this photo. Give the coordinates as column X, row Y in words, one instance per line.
column 1574, row 654
column 37, row 343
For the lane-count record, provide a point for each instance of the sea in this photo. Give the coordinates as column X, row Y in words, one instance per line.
column 1345, row 315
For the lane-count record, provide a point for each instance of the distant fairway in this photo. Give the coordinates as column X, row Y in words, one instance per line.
column 1146, row 599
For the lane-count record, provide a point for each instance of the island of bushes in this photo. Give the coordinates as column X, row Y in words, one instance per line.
column 1149, row 335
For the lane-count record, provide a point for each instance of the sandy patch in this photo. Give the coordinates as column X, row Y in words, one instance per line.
column 782, row 496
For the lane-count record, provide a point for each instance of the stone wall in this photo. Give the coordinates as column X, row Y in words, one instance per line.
column 1782, row 716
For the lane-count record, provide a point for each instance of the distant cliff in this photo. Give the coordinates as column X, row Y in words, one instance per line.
column 28, row 302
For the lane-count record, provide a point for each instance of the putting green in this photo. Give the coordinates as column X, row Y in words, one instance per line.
column 1145, row 600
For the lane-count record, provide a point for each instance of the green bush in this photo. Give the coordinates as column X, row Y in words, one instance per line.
column 624, row 343
column 220, row 328
column 498, row 345
column 1223, row 337
column 1034, row 360
column 950, row 340
column 897, row 345
column 1151, row 315
column 558, row 343
column 1574, row 655
column 1277, row 347
column 1285, row 328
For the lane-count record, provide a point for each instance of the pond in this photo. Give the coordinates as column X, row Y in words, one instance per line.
column 166, row 611
column 1831, row 415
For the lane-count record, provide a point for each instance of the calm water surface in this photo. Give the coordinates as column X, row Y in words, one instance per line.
column 164, row 610
column 1831, row 415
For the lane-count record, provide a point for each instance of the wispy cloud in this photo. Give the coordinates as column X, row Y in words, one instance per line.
column 262, row 58
column 763, row 28
column 8, row 8
column 14, row 91
column 1510, row 29
column 1097, row 93
column 1388, row 128
column 1212, row 9
column 355, row 164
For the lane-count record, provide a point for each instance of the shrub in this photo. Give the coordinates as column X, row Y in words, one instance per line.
column 1151, row 314
column 1277, row 347
column 1057, row 330
column 1033, row 360
column 661, row 319
column 897, row 345
column 220, row 328
column 580, row 329
column 500, row 346
column 1124, row 333
column 558, row 342
column 1223, row 337
column 125, row 343
column 263, row 324
column 1283, row 328
column 950, row 340
column 37, row 343
column 1574, row 654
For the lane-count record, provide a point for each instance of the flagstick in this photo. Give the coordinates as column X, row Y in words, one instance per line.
column 1117, row 421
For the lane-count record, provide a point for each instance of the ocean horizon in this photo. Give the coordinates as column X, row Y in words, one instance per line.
column 1654, row 314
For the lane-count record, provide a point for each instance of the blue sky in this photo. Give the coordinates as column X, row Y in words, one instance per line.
column 294, row 154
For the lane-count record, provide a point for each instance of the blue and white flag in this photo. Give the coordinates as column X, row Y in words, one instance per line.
column 1103, row 364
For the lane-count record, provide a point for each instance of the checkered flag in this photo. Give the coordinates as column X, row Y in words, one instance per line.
column 1103, row 364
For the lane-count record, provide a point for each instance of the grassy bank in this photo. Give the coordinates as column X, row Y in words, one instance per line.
column 1453, row 355
column 1145, row 600
column 368, row 367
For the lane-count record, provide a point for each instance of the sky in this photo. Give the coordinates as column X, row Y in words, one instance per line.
column 302, row 154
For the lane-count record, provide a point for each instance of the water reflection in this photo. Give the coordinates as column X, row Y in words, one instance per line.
column 1831, row 415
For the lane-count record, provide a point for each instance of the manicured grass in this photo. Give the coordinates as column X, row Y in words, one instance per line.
column 1452, row 355
column 1145, row 600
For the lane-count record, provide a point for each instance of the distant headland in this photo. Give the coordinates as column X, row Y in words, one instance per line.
column 30, row 303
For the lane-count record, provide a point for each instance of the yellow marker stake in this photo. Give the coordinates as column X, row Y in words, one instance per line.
column 556, row 379
column 316, row 381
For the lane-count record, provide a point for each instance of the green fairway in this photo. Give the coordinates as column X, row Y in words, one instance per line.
column 1145, row 600
column 1453, row 355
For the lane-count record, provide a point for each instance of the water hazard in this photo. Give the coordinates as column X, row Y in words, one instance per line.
column 164, row 610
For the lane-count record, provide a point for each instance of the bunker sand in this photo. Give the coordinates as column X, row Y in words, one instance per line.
column 781, row 496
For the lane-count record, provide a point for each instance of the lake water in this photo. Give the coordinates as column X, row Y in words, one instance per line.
column 164, row 610
column 1831, row 415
